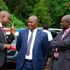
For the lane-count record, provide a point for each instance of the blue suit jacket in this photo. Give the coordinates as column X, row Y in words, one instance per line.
column 40, row 49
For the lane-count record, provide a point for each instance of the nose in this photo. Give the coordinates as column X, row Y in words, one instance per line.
column 8, row 20
column 29, row 23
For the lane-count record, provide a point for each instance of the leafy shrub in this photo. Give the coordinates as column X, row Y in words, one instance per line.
column 3, row 5
column 18, row 23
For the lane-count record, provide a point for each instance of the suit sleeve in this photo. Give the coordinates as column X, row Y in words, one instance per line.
column 18, row 43
column 65, row 43
column 1, row 46
column 62, row 43
column 10, row 38
column 45, row 45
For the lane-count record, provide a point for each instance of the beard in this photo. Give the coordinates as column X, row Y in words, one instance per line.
column 4, row 24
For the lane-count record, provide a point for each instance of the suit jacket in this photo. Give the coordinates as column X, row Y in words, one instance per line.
column 3, row 51
column 40, row 49
column 63, row 62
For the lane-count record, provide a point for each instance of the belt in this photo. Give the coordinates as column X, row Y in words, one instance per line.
column 28, row 60
column 62, row 49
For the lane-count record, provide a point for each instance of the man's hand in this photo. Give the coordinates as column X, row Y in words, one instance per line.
column 13, row 29
column 7, row 46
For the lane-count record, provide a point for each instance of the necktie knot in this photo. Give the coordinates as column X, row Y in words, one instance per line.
column 31, row 31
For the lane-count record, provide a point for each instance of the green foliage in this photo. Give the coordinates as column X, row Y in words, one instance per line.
column 67, row 7
column 57, row 9
column 21, row 8
column 48, row 11
column 17, row 22
column 3, row 5
column 41, row 10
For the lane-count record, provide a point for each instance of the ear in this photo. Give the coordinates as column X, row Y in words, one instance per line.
column 1, row 18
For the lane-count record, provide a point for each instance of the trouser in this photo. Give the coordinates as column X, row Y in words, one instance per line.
column 27, row 65
column 3, row 67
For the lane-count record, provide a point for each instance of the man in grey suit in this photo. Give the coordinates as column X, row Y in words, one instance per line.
column 61, row 46
column 4, row 41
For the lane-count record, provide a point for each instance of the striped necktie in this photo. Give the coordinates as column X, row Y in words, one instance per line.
column 2, row 28
column 29, row 43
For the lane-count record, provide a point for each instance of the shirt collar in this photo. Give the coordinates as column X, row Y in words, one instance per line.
column 67, row 30
column 0, row 24
column 34, row 29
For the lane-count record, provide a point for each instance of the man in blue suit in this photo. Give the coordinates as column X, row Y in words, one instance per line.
column 32, row 47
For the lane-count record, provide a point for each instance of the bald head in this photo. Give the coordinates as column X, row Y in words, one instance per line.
column 4, row 17
column 66, row 18
column 34, row 18
column 4, row 13
column 65, row 22
column 32, row 22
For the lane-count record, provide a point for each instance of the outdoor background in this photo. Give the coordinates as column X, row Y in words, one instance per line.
column 48, row 11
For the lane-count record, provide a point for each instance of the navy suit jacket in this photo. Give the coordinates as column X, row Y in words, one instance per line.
column 40, row 49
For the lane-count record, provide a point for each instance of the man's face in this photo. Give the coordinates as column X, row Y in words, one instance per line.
column 64, row 24
column 5, row 20
column 32, row 24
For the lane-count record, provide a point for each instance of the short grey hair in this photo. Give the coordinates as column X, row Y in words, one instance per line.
column 66, row 18
column 35, row 18
column 4, row 13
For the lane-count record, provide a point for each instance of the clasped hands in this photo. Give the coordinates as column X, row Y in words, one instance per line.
column 13, row 29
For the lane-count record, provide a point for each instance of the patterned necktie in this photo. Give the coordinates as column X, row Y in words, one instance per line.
column 2, row 28
column 29, row 43
column 64, row 35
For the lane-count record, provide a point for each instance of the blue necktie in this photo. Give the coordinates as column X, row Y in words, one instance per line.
column 29, row 43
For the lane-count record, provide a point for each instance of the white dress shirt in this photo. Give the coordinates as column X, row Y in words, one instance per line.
column 29, row 57
column 0, row 24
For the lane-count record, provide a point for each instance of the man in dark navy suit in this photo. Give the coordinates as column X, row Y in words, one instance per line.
column 32, row 47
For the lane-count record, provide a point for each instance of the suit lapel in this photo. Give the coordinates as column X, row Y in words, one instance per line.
column 60, row 38
column 25, row 37
column 66, row 35
column 37, row 38
column 4, row 36
column 26, row 34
